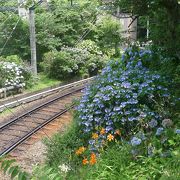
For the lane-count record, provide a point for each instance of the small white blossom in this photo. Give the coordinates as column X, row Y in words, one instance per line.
column 64, row 168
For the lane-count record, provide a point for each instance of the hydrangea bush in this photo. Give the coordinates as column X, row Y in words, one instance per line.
column 127, row 102
column 12, row 75
column 70, row 62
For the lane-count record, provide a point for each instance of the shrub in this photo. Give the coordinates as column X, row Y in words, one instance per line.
column 63, row 65
column 96, row 59
column 70, row 62
column 117, row 163
column 14, row 58
column 13, row 75
column 126, row 102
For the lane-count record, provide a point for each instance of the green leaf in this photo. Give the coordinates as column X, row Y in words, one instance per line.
column 53, row 176
column 6, row 164
column 15, row 172
column 11, row 169
column 171, row 142
column 3, row 164
column 22, row 176
column 6, row 167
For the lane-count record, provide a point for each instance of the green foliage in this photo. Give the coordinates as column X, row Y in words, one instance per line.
column 71, row 62
column 13, row 170
column 163, row 17
column 64, row 24
column 61, row 149
column 45, row 173
column 18, row 43
column 108, row 30
column 90, row 46
column 116, row 162
column 96, row 59
column 14, row 58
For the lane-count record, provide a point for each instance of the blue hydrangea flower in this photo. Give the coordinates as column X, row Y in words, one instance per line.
column 136, row 141
column 159, row 131
column 153, row 123
column 177, row 131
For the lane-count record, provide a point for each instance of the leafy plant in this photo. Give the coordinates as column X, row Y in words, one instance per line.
column 13, row 170
column 128, row 98
column 70, row 62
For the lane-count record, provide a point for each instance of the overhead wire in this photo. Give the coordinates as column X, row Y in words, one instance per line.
column 9, row 36
column 22, row 3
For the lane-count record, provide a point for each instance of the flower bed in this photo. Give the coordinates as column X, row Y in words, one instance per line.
column 127, row 102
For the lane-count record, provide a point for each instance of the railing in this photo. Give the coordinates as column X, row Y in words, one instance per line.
column 4, row 91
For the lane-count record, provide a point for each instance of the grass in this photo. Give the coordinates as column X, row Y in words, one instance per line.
column 115, row 162
column 6, row 112
column 42, row 82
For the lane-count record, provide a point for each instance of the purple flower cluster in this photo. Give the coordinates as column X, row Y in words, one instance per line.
column 122, row 96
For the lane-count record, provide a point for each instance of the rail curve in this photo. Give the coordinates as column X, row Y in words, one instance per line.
column 17, row 130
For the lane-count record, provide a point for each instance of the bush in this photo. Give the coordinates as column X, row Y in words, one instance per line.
column 96, row 59
column 13, row 75
column 71, row 62
column 127, row 100
column 14, row 58
column 62, row 65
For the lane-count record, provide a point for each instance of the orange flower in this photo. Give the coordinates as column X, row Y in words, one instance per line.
column 93, row 159
column 118, row 132
column 102, row 131
column 94, row 135
column 85, row 161
column 110, row 137
column 80, row 150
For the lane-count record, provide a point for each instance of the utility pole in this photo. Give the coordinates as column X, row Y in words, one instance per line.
column 33, row 37
column 33, row 41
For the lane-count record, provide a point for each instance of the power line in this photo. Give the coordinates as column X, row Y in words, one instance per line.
column 10, row 36
column 5, row 20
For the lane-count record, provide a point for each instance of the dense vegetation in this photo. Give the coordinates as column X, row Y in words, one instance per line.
column 126, row 126
column 63, row 30
column 127, row 112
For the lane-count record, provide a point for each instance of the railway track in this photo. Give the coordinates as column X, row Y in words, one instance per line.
column 19, row 129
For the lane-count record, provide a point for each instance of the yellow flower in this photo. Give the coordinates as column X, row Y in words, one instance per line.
column 102, row 131
column 93, row 159
column 85, row 161
column 94, row 135
column 110, row 137
column 82, row 149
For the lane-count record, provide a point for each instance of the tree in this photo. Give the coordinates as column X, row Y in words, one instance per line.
column 14, row 37
column 63, row 24
column 164, row 18
column 108, row 31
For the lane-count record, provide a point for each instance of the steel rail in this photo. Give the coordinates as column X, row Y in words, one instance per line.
column 35, row 109
column 44, row 93
column 25, row 137
column 35, row 129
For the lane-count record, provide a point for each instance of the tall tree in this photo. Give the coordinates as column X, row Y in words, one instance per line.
column 164, row 18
